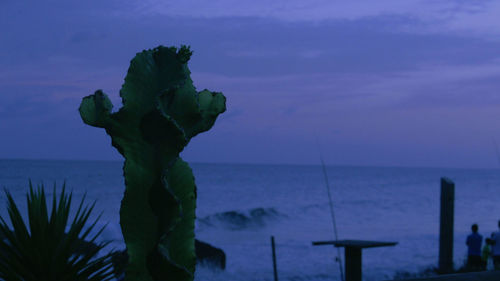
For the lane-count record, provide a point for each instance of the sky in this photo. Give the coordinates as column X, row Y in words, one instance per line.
column 370, row 83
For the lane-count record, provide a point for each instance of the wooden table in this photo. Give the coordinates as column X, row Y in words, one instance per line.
column 353, row 254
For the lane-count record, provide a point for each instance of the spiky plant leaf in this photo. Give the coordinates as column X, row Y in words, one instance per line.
column 45, row 249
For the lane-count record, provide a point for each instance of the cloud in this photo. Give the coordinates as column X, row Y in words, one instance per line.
column 483, row 20
column 442, row 86
column 292, row 10
column 476, row 17
column 366, row 74
column 376, row 104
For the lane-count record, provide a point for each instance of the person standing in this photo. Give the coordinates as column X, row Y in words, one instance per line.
column 486, row 255
column 495, row 249
column 474, row 241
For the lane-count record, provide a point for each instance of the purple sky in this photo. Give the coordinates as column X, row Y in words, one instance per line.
column 387, row 82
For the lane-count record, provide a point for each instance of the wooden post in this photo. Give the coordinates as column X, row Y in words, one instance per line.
column 352, row 264
column 274, row 259
column 446, row 226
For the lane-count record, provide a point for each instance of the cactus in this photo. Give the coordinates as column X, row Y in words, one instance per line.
column 161, row 112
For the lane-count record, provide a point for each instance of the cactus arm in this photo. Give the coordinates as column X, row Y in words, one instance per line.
column 95, row 109
column 211, row 105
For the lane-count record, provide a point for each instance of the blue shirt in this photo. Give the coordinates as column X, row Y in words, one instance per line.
column 474, row 242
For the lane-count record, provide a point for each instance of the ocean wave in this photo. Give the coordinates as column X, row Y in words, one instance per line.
column 238, row 220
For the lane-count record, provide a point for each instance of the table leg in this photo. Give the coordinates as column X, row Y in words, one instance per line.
column 353, row 264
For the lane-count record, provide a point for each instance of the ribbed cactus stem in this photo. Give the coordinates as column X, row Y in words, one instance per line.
column 161, row 112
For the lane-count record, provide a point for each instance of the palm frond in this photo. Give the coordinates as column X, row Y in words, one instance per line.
column 46, row 248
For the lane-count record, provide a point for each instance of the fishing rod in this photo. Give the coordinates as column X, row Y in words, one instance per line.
column 339, row 256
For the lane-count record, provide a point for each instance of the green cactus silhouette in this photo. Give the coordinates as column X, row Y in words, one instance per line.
column 161, row 112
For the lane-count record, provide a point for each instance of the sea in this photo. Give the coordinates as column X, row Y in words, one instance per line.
column 241, row 206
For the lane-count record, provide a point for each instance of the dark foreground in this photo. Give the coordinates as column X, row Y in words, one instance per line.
column 470, row 276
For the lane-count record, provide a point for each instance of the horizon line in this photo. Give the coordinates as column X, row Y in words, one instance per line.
column 266, row 164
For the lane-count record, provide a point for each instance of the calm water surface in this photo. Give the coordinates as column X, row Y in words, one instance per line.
column 241, row 206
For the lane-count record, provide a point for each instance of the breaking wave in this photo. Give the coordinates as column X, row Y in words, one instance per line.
column 238, row 220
